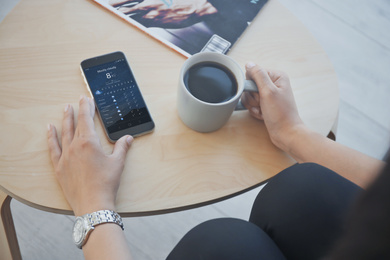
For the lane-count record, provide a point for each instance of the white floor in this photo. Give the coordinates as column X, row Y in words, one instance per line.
column 356, row 36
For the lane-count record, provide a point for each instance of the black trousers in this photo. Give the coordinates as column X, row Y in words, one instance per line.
column 299, row 214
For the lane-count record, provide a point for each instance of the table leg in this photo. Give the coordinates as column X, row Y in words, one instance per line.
column 336, row 124
column 9, row 246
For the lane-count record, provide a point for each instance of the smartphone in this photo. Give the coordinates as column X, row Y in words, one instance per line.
column 119, row 102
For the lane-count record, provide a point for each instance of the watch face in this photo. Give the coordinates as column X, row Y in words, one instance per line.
column 78, row 231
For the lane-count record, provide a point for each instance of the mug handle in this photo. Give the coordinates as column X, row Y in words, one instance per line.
column 249, row 85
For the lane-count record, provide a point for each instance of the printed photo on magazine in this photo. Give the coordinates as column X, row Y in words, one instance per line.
column 189, row 26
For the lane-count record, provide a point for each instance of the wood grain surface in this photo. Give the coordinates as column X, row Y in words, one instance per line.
column 173, row 168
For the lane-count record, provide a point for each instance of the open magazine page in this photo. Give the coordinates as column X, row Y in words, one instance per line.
column 189, row 26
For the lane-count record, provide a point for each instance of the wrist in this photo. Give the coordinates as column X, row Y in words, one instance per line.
column 292, row 137
column 92, row 206
column 84, row 225
column 298, row 142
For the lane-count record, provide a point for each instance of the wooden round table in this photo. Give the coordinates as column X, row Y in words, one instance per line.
column 41, row 46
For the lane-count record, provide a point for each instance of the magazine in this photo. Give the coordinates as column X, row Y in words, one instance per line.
column 189, row 26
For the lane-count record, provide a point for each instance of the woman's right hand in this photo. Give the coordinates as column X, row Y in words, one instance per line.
column 274, row 104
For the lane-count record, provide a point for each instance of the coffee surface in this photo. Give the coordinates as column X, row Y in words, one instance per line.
column 210, row 82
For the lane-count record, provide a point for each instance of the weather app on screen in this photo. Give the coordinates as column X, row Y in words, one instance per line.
column 117, row 95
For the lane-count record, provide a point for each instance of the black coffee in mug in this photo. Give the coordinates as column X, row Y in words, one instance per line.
column 210, row 82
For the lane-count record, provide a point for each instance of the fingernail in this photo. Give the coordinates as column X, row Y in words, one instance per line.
column 66, row 108
column 48, row 127
column 129, row 140
column 250, row 65
column 255, row 110
column 81, row 97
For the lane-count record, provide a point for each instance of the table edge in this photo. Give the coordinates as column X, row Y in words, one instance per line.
column 140, row 213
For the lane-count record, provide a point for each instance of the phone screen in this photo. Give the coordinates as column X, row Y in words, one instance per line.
column 118, row 98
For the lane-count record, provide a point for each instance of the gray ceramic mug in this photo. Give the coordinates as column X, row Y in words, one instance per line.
column 203, row 116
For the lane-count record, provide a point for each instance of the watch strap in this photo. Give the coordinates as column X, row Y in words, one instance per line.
column 103, row 216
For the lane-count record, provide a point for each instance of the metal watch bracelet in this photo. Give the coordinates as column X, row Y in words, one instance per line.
column 85, row 224
column 104, row 216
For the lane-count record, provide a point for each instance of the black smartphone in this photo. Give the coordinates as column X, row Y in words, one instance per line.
column 118, row 99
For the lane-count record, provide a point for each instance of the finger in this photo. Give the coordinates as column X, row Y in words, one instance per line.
column 250, row 99
column 279, row 78
column 67, row 126
column 255, row 96
column 135, row 9
column 121, row 147
column 126, row 10
column 260, row 76
column 256, row 112
column 151, row 15
column 252, row 104
column 85, row 124
column 54, row 147
column 92, row 107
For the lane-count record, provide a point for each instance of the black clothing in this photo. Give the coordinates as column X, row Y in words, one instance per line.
column 299, row 214
column 367, row 233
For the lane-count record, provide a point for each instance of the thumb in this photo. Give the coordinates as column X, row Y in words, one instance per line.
column 122, row 146
column 260, row 76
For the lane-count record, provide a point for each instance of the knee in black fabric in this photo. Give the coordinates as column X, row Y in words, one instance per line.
column 226, row 239
column 303, row 208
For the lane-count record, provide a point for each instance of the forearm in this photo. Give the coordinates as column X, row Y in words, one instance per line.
column 107, row 241
column 309, row 146
column 275, row 105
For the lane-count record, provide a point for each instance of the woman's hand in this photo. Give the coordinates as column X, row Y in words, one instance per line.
column 274, row 104
column 89, row 178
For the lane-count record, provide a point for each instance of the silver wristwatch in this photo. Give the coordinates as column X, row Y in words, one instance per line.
column 85, row 224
